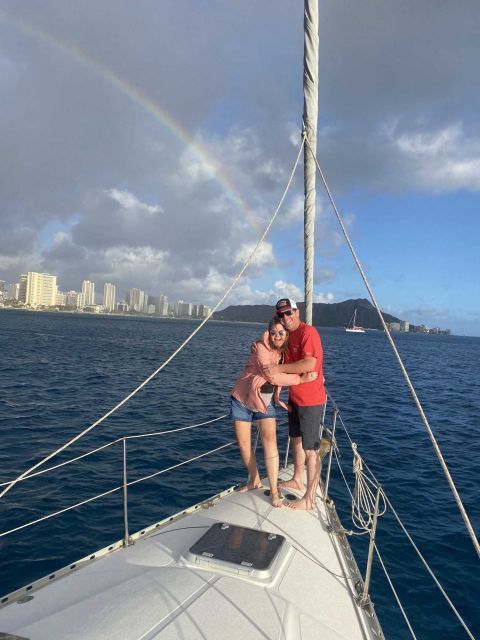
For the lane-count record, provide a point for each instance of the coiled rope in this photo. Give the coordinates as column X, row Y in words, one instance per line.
column 431, row 435
column 177, row 351
column 363, row 499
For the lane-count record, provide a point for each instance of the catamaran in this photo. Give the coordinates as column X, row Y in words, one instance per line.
column 231, row 566
column 352, row 327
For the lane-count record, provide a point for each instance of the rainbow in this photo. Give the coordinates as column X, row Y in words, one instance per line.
column 142, row 100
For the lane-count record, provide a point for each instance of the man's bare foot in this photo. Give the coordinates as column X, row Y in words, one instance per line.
column 250, row 486
column 300, row 505
column 291, row 484
column 277, row 500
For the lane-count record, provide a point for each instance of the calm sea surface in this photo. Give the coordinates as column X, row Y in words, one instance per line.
column 59, row 373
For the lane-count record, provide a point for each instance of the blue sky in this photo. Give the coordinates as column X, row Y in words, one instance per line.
column 126, row 128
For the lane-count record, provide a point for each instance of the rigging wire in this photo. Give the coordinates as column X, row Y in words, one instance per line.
column 431, row 435
column 375, row 482
column 177, row 351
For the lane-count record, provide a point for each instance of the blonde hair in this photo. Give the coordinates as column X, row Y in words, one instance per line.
column 271, row 325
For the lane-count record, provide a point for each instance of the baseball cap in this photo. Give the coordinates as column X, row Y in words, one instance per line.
column 285, row 304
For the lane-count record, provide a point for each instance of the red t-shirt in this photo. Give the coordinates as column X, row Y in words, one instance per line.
column 305, row 342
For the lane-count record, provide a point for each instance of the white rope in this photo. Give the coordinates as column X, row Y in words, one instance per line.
column 431, row 435
column 180, row 464
column 405, row 617
column 57, row 513
column 177, row 351
column 363, row 503
column 161, row 433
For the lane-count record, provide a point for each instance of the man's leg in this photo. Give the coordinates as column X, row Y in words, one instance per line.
column 310, row 419
column 296, row 481
column 243, row 433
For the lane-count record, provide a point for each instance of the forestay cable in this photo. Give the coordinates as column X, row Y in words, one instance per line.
column 177, row 351
column 400, row 362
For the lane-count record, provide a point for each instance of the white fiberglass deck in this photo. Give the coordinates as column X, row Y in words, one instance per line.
column 147, row 591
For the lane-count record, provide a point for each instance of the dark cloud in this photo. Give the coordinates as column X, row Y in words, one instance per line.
column 81, row 84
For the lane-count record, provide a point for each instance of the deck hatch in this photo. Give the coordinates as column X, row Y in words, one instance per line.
column 232, row 547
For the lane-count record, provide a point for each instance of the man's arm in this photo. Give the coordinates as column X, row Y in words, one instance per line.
column 301, row 366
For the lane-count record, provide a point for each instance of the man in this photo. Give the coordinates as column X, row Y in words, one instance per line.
column 306, row 401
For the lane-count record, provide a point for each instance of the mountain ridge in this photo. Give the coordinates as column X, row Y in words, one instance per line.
column 335, row 314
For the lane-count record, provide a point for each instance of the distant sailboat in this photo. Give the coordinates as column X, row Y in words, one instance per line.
column 352, row 327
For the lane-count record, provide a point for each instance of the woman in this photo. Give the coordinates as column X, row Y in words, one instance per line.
column 252, row 399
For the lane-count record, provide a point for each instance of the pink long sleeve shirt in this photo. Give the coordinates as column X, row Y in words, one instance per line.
column 247, row 387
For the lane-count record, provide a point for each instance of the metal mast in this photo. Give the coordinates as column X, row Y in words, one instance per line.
column 310, row 116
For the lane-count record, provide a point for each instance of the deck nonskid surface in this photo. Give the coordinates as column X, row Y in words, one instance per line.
column 147, row 591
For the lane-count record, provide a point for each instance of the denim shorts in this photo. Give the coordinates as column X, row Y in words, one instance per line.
column 240, row 412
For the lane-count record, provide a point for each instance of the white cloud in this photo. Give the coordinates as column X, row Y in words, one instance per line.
column 282, row 289
column 443, row 160
column 130, row 204
column 324, row 297
column 263, row 256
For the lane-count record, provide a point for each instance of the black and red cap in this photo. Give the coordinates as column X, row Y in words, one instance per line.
column 285, row 304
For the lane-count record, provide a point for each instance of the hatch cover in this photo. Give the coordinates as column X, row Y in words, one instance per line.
column 238, row 549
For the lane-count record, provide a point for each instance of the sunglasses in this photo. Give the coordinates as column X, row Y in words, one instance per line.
column 277, row 333
column 280, row 314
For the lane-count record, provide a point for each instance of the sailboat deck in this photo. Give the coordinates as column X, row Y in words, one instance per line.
column 149, row 590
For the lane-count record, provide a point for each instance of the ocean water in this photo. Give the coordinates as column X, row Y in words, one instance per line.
column 59, row 373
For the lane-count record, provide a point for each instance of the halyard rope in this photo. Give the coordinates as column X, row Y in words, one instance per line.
column 431, row 435
column 177, row 351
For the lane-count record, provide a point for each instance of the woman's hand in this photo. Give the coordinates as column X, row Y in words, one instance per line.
column 309, row 376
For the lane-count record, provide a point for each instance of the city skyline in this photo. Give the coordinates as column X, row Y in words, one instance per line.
column 117, row 169
column 38, row 290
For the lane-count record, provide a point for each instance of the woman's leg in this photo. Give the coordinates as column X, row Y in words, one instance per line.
column 243, row 433
column 268, row 434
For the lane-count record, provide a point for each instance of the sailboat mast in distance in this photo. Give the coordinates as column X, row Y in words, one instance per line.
column 310, row 117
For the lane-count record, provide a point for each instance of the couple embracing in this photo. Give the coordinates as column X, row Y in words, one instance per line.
column 288, row 354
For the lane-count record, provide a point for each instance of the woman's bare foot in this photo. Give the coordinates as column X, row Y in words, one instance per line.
column 300, row 505
column 291, row 484
column 250, row 486
column 277, row 500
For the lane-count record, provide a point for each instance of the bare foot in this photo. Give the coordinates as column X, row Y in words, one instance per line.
column 299, row 505
column 277, row 500
column 291, row 484
column 250, row 486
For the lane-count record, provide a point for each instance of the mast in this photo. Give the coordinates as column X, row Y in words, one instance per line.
column 310, row 116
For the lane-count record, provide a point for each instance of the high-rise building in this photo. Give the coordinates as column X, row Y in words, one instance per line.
column 13, row 291
column 183, row 309
column 88, row 293
column 60, row 299
column 22, row 288
column 74, row 299
column 3, row 286
column 39, row 289
column 109, row 296
column 135, row 299
column 163, row 306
